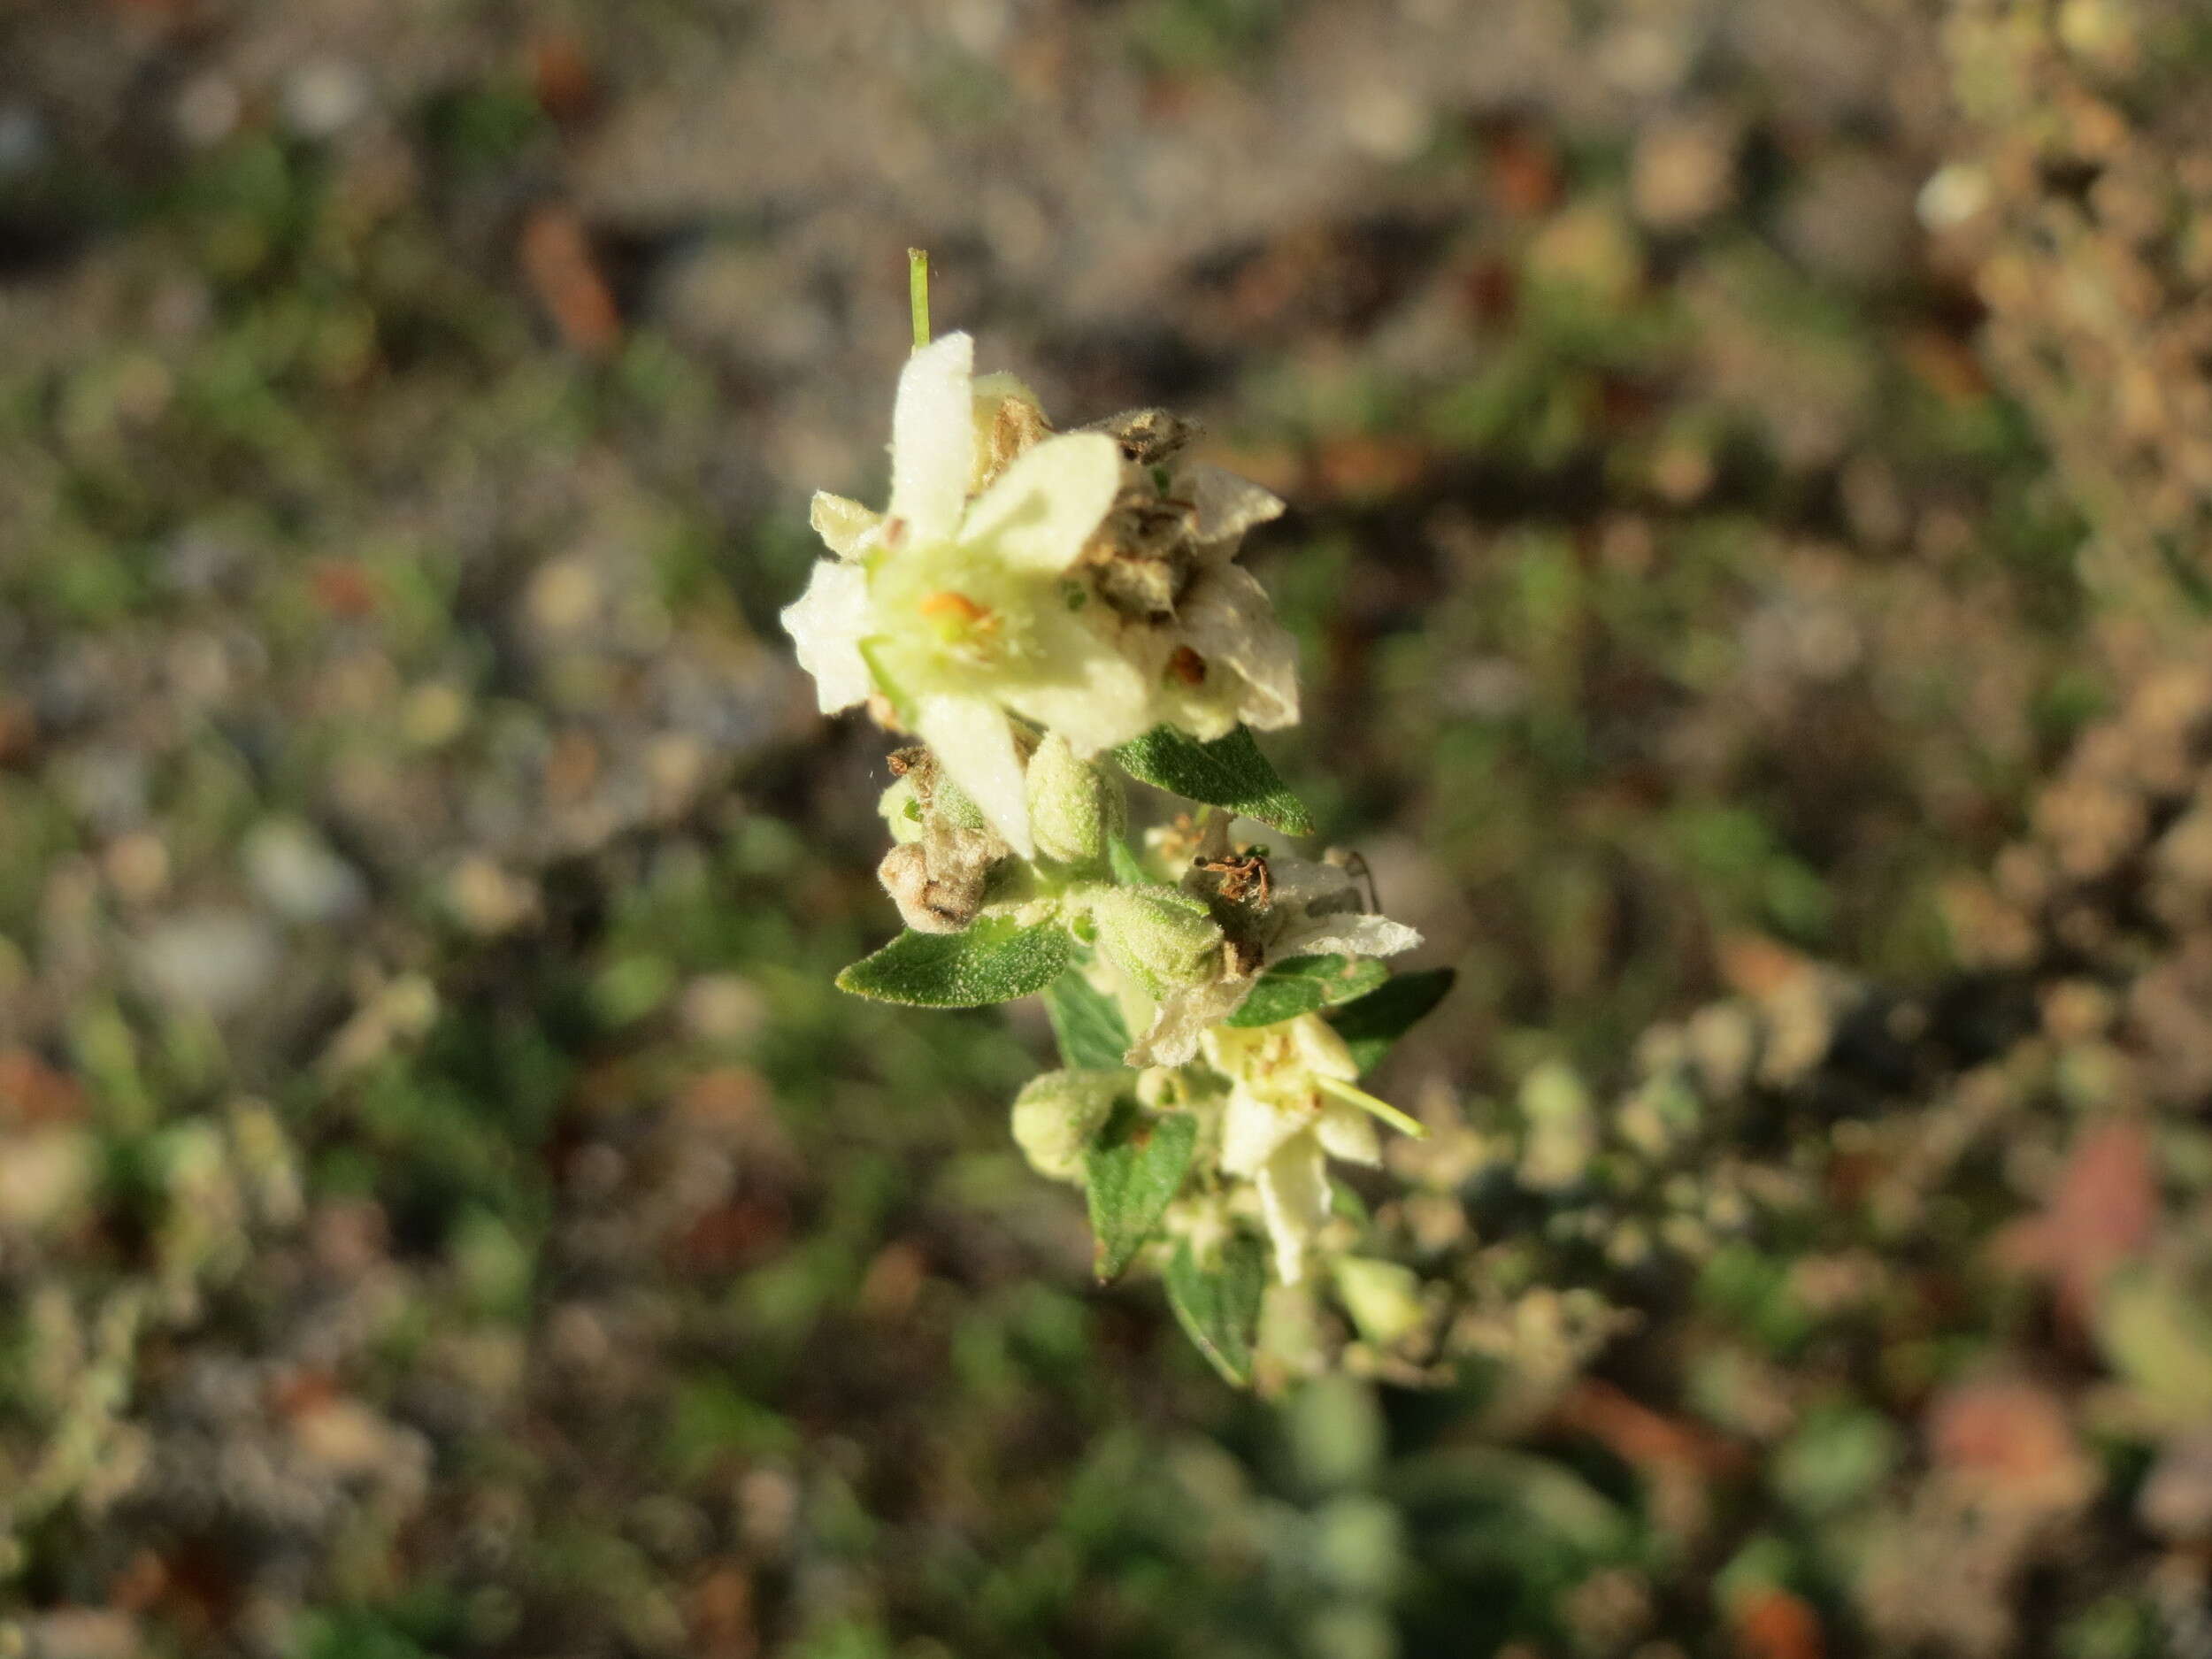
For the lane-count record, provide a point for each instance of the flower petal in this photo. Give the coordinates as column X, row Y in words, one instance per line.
column 1345, row 1132
column 1318, row 912
column 974, row 742
column 1294, row 1202
column 1344, row 936
column 826, row 623
column 1045, row 505
column 1227, row 619
column 1321, row 1051
column 1227, row 505
column 843, row 524
column 1308, row 885
column 932, row 438
column 1172, row 1038
column 1080, row 687
column 1252, row 1131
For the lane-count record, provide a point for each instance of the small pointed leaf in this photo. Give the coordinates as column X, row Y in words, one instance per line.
column 1229, row 773
column 1128, row 871
column 1092, row 1033
column 1303, row 984
column 1219, row 1306
column 1371, row 1024
column 1134, row 1167
column 995, row 961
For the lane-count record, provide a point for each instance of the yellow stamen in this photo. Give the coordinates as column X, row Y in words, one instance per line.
column 1381, row 1109
column 948, row 605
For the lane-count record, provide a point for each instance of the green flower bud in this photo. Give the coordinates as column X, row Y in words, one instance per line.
column 1056, row 1115
column 901, row 808
column 1073, row 805
column 953, row 807
column 1162, row 937
column 1383, row 1298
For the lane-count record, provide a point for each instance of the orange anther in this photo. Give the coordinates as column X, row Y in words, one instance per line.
column 957, row 607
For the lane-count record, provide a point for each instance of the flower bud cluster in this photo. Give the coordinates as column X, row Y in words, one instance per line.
column 1029, row 604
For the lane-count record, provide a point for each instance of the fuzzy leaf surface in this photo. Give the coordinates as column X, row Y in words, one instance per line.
column 1088, row 1027
column 1229, row 773
column 1219, row 1306
column 995, row 961
column 1305, row 983
column 1132, row 1169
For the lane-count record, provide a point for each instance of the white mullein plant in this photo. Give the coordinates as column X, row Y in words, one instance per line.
column 1039, row 614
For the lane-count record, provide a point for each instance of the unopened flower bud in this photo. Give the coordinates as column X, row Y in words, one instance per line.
column 901, row 808
column 1383, row 1298
column 1056, row 1115
column 1074, row 807
column 953, row 807
column 1162, row 938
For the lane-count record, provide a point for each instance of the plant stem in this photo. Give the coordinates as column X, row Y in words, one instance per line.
column 917, row 293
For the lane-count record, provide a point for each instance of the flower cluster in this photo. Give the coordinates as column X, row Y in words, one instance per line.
column 1039, row 615
column 1080, row 582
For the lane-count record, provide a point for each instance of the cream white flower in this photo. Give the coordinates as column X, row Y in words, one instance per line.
column 1314, row 910
column 958, row 611
column 988, row 588
column 1282, row 1123
column 1200, row 626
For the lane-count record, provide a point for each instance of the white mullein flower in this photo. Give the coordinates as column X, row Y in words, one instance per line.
column 1288, row 1114
column 962, row 612
column 958, row 611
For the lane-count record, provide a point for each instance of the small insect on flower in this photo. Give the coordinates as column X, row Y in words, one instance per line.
column 1243, row 878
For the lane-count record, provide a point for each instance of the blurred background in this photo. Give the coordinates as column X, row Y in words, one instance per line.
column 1749, row 468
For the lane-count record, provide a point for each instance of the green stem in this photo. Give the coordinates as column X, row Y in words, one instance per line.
column 917, row 293
column 1381, row 1109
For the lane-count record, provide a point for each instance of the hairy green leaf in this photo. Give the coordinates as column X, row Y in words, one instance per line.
column 1371, row 1024
column 1229, row 773
column 1219, row 1306
column 1303, row 984
column 1134, row 1168
column 995, row 961
column 1128, row 871
column 1092, row 1034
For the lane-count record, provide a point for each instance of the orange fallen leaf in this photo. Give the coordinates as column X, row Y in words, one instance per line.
column 561, row 76
column 1772, row 1624
column 559, row 265
column 2101, row 1215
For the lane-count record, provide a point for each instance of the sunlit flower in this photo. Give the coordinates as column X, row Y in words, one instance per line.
column 1291, row 1107
column 1052, row 578
column 958, row 611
